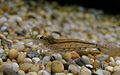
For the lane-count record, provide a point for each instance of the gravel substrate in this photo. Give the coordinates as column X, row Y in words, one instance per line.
column 21, row 54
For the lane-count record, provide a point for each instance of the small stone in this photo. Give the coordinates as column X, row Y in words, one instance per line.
column 13, row 54
column 102, row 72
column 109, row 68
column 118, row 62
column 3, row 19
column 57, row 66
column 116, row 73
column 59, row 74
column 1, row 50
column 85, row 71
column 43, row 72
column 74, row 55
column 69, row 74
column 48, row 67
column 89, row 66
column 34, row 68
column 27, row 60
column 35, row 59
column 15, row 66
column 116, row 68
column 25, row 66
column 102, row 57
column 67, row 56
column 19, row 46
column 21, row 72
column 85, row 59
column 74, row 69
column 96, row 64
column 31, row 73
column 57, row 56
column 46, row 59
column 32, row 54
column 21, row 57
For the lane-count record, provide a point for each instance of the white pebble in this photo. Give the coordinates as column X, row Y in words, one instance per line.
column 35, row 59
column 116, row 68
column 69, row 74
column 109, row 68
column 43, row 72
column 118, row 62
column 1, row 50
column 3, row 19
column 15, row 66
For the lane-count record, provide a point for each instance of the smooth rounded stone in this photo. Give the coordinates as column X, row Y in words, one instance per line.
column 32, row 54
column 3, row 56
column 31, row 73
column 116, row 73
column 34, row 68
column 102, row 57
column 3, row 19
column 21, row 72
column 89, row 66
column 86, row 59
column 112, row 59
column 74, row 69
column 9, row 68
column 1, row 50
column 29, row 44
column 117, row 62
column 36, row 60
column 13, row 54
column 96, row 64
column 74, row 55
column 69, row 74
column 21, row 57
column 25, row 66
column 27, row 60
column 67, row 56
column 59, row 74
column 46, row 59
column 19, row 46
column 48, row 67
column 1, row 61
column 57, row 67
column 102, row 72
column 15, row 66
column 43, row 72
column 57, row 56
column 85, row 71
column 116, row 68
column 109, row 68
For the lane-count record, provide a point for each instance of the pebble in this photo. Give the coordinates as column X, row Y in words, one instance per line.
column 46, row 59
column 118, row 62
column 57, row 67
column 85, row 71
column 34, row 68
column 27, row 60
column 116, row 68
column 1, row 50
column 3, row 56
column 89, row 66
column 67, row 56
column 74, row 69
column 32, row 54
column 25, row 66
column 86, row 59
column 21, row 57
column 96, row 64
column 69, row 74
column 102, row 57
column 59, row 74
column 19, row 46
column 36, row 60
column 3, row 19
column 43, row 72
column 116, row 73
column 74, row 55
column 48, row 67
column 57, row 56
column 102, row 72
column 109, row 68
column 13, row 54
column 31, row 73
column 21, row 72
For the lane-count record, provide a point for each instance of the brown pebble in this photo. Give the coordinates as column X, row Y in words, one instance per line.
column 67, row 56
column 25, row 66
column 57, row 66
column 74, row 55
column 34, row 68
column 13, row 54
column 21, row 57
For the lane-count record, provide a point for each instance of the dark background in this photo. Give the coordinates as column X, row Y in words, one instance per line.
column 108, row 6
